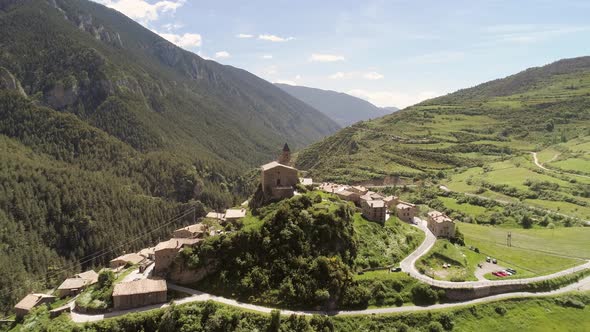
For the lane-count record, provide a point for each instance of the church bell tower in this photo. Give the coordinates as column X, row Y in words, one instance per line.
column 285, row 157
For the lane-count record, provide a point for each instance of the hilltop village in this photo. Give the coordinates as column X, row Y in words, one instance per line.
column 147, row 285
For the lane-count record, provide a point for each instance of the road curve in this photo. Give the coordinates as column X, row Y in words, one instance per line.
column 408, row 265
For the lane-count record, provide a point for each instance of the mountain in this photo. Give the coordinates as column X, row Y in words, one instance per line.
column 340, row 107
column 471, row 127
column 108, row 131
column 390, row 109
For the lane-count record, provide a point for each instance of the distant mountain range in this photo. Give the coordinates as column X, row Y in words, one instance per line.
column 340, row 107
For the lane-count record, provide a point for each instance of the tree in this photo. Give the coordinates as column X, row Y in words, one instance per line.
column 275, row 321
column 106, row 278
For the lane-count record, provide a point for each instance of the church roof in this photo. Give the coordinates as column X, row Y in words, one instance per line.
column 274, row 164
column 286, row 148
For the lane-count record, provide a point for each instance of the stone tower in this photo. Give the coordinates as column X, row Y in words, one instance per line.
column 285, row 157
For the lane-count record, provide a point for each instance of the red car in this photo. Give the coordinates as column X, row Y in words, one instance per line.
column 502, row 274
column 495, row 273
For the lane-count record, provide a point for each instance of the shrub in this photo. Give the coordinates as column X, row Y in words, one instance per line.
column 423, row 294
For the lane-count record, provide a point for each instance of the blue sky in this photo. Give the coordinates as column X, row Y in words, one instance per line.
column 392, row 53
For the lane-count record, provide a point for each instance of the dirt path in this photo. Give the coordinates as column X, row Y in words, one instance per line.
column 538, row 164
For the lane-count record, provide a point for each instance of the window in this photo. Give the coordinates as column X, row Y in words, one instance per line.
column 278, row 182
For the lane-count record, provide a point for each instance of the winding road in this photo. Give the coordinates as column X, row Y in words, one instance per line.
column 407, row 265
column 538, row 164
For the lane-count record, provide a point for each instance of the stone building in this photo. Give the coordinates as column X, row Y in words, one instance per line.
column 134, row 294
column 71, row 286
column 131, row 259
column 24, row 306
column 406, row 211
column 391, row 201
column 166, row 252
column 374, row 210
column 349, row 196
column 440, row 224
column 278, row 178
column 192, row 231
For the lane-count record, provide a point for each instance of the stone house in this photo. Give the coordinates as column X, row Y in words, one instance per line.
column 90, row 276
column 192, row 231
column 371, row 196
column 391, row 201
column 359, row 190
column 406, row 211
column 134, row 294
column 166, row 252
column 24, row 306
column 440, row 224
column 374, row 210
column 234, row 214
column 350, row 196
column 278, row 180
column 71, row 286
column 131, row 259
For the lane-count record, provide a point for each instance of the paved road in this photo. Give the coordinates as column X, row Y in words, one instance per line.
column 197, row 296
column 408, row 265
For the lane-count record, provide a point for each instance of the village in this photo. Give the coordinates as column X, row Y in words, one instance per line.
column 144, row 275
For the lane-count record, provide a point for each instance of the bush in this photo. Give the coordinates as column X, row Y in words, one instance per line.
column 501, row 310
column 423, row 294
column 435, row 327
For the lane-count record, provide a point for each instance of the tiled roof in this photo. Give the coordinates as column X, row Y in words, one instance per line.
column 132, row 258
column 175, row 243
column 235, row 213
column 274, row 164
column 73, row 283
column 143, row 286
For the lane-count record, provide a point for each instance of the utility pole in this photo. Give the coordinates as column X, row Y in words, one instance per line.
column 509, row 239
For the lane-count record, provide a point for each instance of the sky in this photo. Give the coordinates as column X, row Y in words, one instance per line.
column 391, row 53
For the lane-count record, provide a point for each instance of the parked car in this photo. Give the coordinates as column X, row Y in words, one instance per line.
column 507, row 272
column 396, row 269
column 495, row 274
column 494, row 261
column 488, row 259
column 502, row 274
column 511, row 271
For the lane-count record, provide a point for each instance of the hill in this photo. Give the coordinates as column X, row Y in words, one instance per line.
column 108, row 131
column 478, row 140
column 340, row 107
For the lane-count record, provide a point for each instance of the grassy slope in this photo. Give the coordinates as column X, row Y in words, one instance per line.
column 491, row 124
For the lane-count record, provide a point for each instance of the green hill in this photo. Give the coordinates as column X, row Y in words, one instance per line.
column 107, row 131
column 478, row 140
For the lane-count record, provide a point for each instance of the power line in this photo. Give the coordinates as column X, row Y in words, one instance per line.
column 102, row 253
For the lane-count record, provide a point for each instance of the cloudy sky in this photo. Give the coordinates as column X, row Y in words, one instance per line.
column 392, row 53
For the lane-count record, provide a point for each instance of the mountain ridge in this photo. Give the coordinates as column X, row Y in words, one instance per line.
column 339, row 106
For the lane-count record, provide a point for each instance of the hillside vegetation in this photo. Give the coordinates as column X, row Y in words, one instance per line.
column 108, row 131
column 478, row 140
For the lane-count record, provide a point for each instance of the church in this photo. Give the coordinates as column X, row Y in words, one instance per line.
column 278, row 178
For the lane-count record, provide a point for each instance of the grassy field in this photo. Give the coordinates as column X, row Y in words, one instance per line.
column 383, row 245
column 535, row 251
column 463, row 262
column 469, row 209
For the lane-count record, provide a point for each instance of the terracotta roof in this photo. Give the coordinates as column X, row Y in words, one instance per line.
column 196, row 228
column 132, row 258
column 376, row 203
column 345, row 193
column 146, row 252
column 90, row 276
column 274, row 164
column 73, row 283
column 439, row 217
column 235, row 213
column 140, row 287
column 404, row 205
column 30, row 301
column 176, row 243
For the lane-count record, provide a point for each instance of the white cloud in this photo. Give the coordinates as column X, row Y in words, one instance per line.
column 297, row 77
column 222, row 55
column 172, row 26
column 372, row 75
column 244, row 35
column 267, row 56
column 202, row 55
column 142, row 10
column 186, row 40
column 390, row 98
column 318, row 57
column 286, row 82
column 274, row 38
column 338, row 75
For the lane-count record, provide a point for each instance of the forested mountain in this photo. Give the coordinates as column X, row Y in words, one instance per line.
column 340, row 107
column 107, row 131
column 516, row 114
